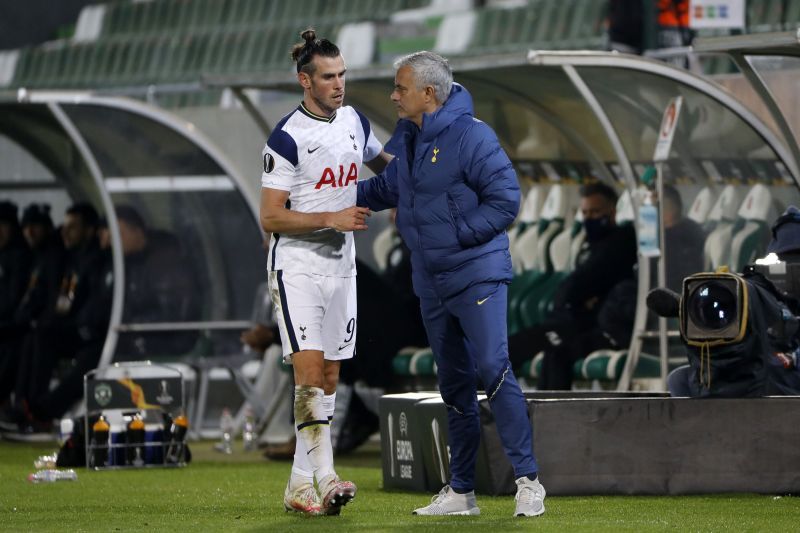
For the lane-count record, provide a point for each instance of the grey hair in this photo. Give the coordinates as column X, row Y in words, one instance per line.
column 429, row 69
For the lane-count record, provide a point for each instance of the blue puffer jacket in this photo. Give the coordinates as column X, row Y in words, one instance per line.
column 455, row 192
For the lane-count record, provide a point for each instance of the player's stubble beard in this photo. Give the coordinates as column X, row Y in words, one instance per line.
column 327, row 105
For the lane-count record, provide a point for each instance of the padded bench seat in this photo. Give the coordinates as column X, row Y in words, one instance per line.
column 602, row 365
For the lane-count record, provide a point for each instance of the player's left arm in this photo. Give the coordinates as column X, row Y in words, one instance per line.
column 489, row 172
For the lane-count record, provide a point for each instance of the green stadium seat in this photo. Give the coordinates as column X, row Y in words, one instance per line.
column 240, row 13
column 119, row 57
column 161, row 48
column 143, row 59
column 560, row 24
column 498, row 29
column 196, row 48
column 531, row 368
column 718, row 64
column 603, row 365
column 414, row 362
column 764, row 16
column 391, row 47
column 518, row 290
column 80, row 62
column 539, row 302
column 751, row 230
column 607, row 365
column 171, row 57
column 791, row 16
column 161, row 16
column 587, row 29
column 23, row 68
column 58, row 67
column 205, row 14
column 541, row 28
column 480, row 38
column 117, row 18
column 262, row 51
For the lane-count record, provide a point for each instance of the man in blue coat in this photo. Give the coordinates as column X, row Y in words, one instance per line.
column 456, row 193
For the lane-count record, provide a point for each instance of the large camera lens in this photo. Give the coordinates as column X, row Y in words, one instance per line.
column 713, row 306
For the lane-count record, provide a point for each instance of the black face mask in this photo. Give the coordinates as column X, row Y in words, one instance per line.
column 597, row 228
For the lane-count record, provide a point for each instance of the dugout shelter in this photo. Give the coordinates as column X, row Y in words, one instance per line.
column 569, row 117
column 63, row 147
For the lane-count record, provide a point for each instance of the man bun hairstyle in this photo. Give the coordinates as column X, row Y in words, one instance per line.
column 303, row 53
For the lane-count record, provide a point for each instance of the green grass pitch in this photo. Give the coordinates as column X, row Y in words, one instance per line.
column 243, row 492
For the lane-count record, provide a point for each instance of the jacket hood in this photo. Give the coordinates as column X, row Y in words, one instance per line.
column 457, row 104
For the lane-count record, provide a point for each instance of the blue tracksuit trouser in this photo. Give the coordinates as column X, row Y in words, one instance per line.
column 468, row 335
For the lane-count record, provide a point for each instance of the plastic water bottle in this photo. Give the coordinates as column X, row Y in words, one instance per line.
column 225, row 444
column 45, row 461
column 65, row 430
column 176, row 448
column 135, row 441
column 648, row 229
column 249, row 431
column 100, row 431
column 52, row 475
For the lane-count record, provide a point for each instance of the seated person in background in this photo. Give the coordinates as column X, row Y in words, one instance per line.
column 739, row 372
column 260, row 337
column 73, row 326
column 684, row 240
column 158, row 288
column 47, row 248
column 606, row 258
column 40, row 287
column 263, row 334
column 15, row 264
column 54, row 403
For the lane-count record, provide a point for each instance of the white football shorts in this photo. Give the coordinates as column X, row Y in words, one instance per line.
column 314, row 312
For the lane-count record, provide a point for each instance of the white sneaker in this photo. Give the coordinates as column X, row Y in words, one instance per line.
column 449, row 502
column 530, row 497
column 303, row 499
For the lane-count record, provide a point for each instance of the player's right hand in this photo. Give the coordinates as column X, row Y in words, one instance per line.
column 350, row 219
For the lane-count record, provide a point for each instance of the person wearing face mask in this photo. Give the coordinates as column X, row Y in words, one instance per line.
column 589, row 305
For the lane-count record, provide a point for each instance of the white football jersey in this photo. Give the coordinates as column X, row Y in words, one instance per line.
column 317, row 159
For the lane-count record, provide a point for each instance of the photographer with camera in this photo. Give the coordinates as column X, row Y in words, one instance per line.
column 740, row 330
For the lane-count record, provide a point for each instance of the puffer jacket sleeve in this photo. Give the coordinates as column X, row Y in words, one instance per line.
column 380, row 192
column 489, row 173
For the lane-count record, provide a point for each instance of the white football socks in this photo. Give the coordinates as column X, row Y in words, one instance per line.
column 313, row 456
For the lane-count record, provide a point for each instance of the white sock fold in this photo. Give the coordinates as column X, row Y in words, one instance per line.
column 329, row 403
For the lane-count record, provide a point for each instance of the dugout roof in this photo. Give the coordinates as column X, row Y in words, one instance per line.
column 591, row 113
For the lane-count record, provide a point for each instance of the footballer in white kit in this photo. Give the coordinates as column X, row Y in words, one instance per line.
column 312, row 275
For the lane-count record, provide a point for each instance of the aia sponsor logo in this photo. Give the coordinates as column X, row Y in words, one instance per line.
column 329, row 178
